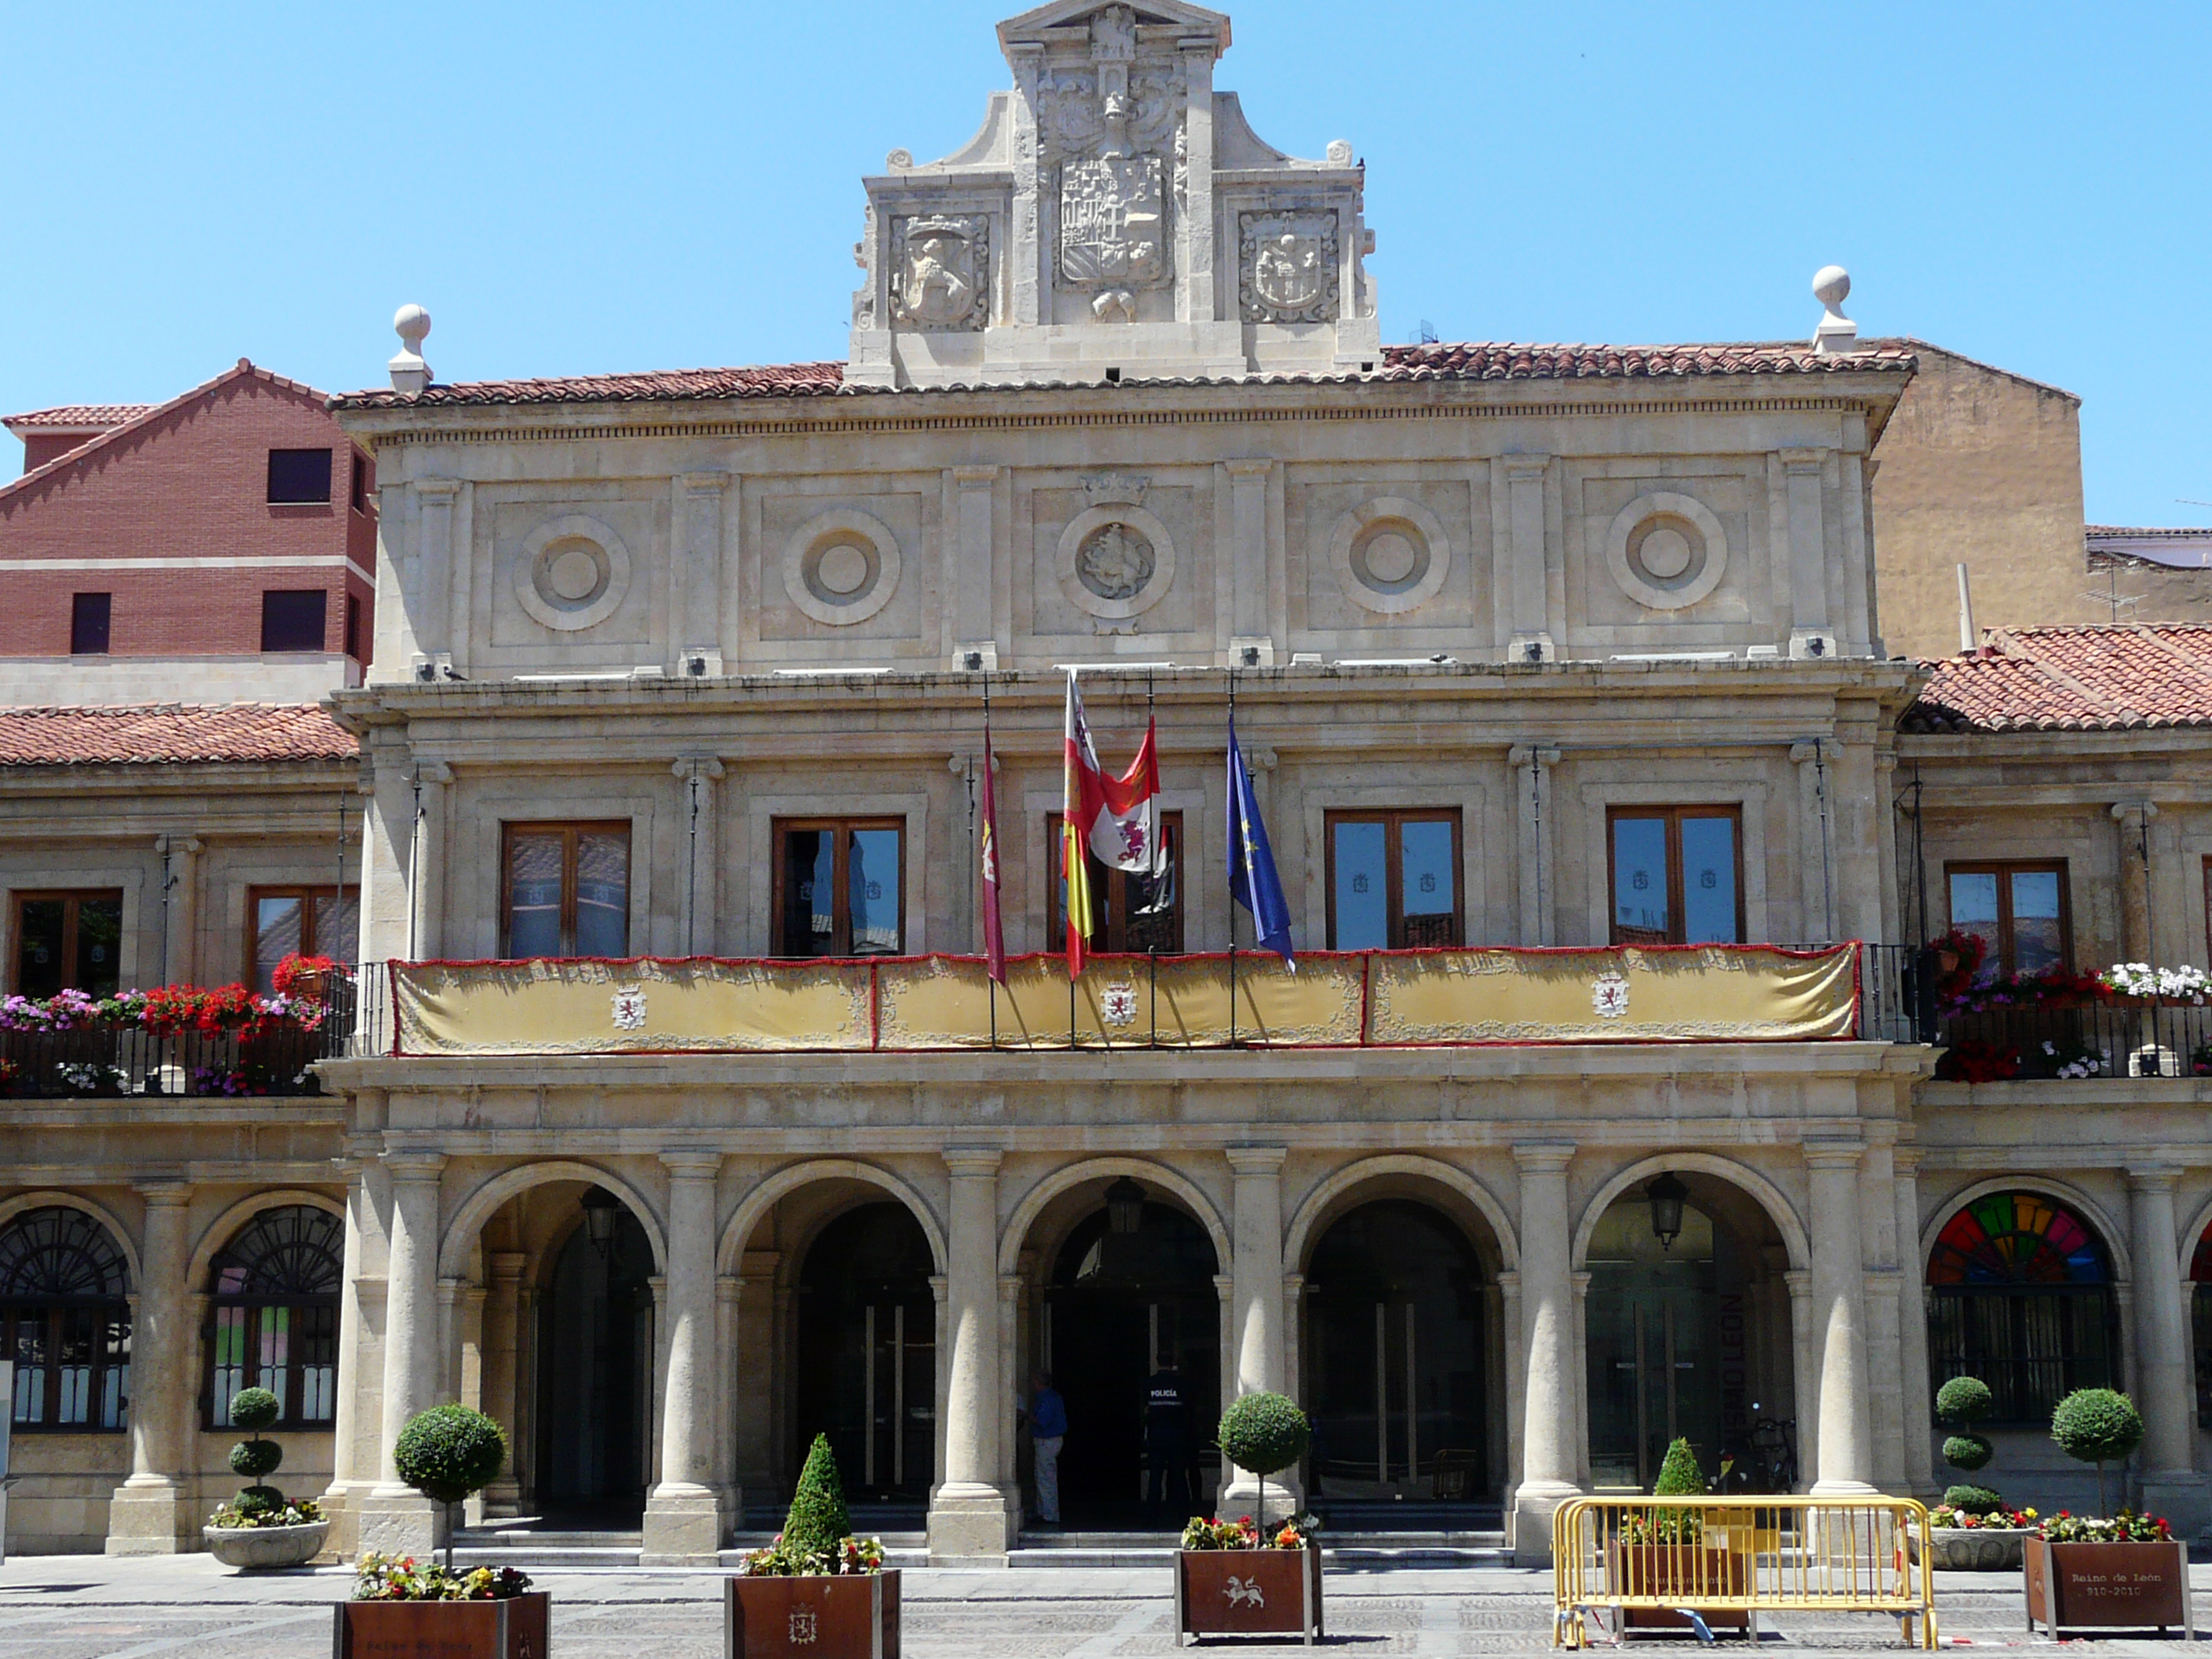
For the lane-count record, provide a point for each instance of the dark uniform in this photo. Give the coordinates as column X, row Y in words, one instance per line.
column 1167, row 1441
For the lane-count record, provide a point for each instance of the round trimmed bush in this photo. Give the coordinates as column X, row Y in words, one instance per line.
column 1967, row 1451
column 258, row 1500
column 1964, row 1399
column 2096, row 1425
column 1974, row 1500
column 1264, row 1433
column 818, row 1521
column 449, row 1453
column 253, row 1411
column 251, row 1460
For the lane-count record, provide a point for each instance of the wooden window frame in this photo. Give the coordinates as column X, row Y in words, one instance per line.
column 256, row 1306
column 842, row 916
column 1117, row 888
column 1393, row 819
column 72, row 898
column 307, row 893
column 49, row 1309
column 2004, row 869
column 1677, row 893
column 571, row 831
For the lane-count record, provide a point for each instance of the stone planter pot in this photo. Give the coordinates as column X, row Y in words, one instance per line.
column 843, row 1616
column 1678, row 1571
column 2109, row 1586
column 248, row 1548
column 1972, row 1550
column 513, row 1629
column 1247, row 1593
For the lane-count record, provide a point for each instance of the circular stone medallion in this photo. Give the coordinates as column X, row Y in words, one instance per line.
column 573, row 573
column 1666, row 550
column 1115, row 561
column 842, row 567
column 1391, row 555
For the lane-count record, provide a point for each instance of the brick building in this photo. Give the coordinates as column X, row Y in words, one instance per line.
column 220, row 545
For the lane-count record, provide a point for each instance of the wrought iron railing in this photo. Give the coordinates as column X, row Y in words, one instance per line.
column 2076, row 1037
column 115, row 1061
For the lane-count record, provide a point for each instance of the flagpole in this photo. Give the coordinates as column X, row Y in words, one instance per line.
column 1235, row 761
column 990, row 984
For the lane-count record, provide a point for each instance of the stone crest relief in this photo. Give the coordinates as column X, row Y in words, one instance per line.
column 1287, row 266
column 940, row 270
column 1113, row 222
column 1115, row 561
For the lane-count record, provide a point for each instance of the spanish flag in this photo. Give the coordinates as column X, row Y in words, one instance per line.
column 1115, row 820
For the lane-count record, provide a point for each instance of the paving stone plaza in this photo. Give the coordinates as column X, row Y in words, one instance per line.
column 98, row 1607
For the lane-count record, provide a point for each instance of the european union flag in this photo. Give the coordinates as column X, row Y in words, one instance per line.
column 1253, row 882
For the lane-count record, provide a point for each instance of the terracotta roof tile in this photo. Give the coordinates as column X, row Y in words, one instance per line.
column 78, row 415
column 1399, row 364
column 2100, row 679
column 171, row 733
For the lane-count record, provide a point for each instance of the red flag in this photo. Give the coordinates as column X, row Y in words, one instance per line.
column 1115, row 820
column 994, row 936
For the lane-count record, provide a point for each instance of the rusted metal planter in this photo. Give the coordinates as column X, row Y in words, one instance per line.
column 1680, row 1573
column 853, row 1615
column 2109, row 1586
column 514, row 1629
column 1248, row 1592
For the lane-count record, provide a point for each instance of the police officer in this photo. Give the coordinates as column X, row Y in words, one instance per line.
column 1167, row 1438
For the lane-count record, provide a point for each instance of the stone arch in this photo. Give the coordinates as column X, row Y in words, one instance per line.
column 480, row 1207
column 1763, row 1191
column 225, row 1227
column 1306, row 1224
column 1016, row 1231
column 770, row 1190
column 2113, row 1238
column 2191, row 1231
column 51, row 1199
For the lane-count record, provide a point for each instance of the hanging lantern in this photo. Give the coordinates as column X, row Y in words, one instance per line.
column 601, row 1210
column 1666, row 1195
column 1124, row 1207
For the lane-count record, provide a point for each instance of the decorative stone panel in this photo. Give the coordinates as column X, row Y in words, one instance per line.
column 1666, row 550
column 1391, row 555
column 573, row 573
column 1286, row 265
column 842, row 567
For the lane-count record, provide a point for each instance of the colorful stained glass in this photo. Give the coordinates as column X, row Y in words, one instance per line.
column 2016, row 1238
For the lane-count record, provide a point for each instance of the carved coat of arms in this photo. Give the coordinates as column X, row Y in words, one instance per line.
column 1113, row 222
column 940, row 271
column 1287, row 265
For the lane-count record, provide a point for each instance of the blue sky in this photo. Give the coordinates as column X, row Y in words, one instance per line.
column 573, row 188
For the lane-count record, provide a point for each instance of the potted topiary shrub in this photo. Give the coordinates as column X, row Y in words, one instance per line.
column 1671, row 1552
column 817, row 1591
column 2128, row 1572
column 260, row 1527
column 1972, row 1529
column 1237, row 1578
column 399, row 1611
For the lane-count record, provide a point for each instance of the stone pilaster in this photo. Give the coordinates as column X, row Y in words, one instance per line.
column 432, row 779
column 700, row 816
column 682, row 1525
column 395, row 1518
column 180, row 907
column 969, row 1514
column 1917, row 1388
column 1549, row 1434
column 1839, row 1322
column 150, row 1512
column 501, row 1333
column 1531, row 766
column 2170, row 1483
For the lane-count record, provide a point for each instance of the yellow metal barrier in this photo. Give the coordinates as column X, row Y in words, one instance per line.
column 1700, row 1563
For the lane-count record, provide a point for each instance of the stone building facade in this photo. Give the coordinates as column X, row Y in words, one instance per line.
column 1533, row 649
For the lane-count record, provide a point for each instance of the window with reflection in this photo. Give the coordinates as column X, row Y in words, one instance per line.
column 840, row 886
column 310, row 921
column 2019, row 911
column 68, row 942
column 1677, row 874
column 1143, row 912
column 65, row 1322
column 273, row 1317
column 1394, row 879
column 568, row 887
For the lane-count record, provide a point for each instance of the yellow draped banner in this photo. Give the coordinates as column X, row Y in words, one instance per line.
column 1363, row 999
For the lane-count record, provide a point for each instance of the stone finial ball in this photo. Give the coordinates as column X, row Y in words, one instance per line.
column 1831, row 285
column 411, row 323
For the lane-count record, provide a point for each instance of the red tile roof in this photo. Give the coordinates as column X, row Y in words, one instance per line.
column 70, row 415
column 2100, row 679
column 1399, row 364
column 171, row 733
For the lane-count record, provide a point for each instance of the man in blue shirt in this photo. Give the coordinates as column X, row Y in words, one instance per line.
column 1048, row 1426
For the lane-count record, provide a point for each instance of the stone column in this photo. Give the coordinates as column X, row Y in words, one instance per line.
column 1912, row 1329
column 180, row 907
column 1256, row 1314
column 2170, row 1483
column 1548, row 1436
column 1815, row 764
column 729, row 1290
column 502, row 1314
column 432, row 777
column 2139, row 939
column 682, row 1515
column 970, row 1513
column 698, row 818
column 1804, row 1374
column 147, row 1513
column 1839, row 1322
column 395, row 1518
column 1531, row 766
column 1884, row 1298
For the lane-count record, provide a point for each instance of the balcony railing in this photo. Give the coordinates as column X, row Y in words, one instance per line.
column 110, row 1060
column 2077, row 1038
column 1377, row 999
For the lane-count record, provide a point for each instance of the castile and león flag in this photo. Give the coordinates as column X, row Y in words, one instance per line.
column 1115, row 820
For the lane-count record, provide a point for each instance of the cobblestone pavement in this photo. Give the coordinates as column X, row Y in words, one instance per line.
column 91, row 1607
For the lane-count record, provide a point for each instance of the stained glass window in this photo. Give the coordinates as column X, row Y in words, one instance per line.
column 274, row 1316
column 2020, row 1296
column 64, row 1321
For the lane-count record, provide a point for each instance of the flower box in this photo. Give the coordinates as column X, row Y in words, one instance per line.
column 251, row 1547
column 2134, row 1587
column 1248, row 1592
column 1679, row 1572
column 1972, row 1550
column 843, row 1616
column 516, row 1628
